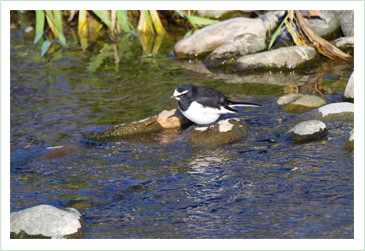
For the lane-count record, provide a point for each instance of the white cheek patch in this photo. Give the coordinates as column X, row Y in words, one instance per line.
column 177, row 94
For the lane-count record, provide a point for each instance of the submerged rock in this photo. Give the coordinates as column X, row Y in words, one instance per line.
column 127, row 130
column 46, row 221
column 342, row 111
column 347, row 23
column 211, row 37
column 307, row 131
column 349, row 91
column 350, row 141
column 225, row 131
column 226, row 54
column 280, row 59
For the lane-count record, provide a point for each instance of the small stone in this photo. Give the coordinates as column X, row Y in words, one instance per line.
column 310, row 101
column 307, row 131
column 287, row 99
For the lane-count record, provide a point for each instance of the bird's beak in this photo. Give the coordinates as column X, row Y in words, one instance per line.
column 172, row 97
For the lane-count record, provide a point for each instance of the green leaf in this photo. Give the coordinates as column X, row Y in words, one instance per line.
column 58, row 32
column 45, row 47
column 39, row 25
column 188, row 34
column 103, row 15
column 201, row 20
column 147, row 18
column 276, row 33
column 122, row 17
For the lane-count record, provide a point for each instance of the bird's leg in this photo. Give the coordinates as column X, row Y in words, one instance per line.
column 204, row 128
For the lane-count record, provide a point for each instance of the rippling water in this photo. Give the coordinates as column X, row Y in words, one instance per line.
column 155, row 186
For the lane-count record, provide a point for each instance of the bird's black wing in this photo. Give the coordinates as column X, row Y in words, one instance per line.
column 210, row 97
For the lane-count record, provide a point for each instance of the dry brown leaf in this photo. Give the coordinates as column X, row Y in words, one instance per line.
column 321, row 44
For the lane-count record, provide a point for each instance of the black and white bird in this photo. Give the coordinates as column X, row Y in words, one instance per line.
column 204, row 105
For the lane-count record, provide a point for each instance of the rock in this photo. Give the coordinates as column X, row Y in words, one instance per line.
column 349, row 91
column 46, row 221
column 305, row 103
column 347, row 23
column 280, row 59
column 172, row 119
column 328, row 25
column 127, row 130
column 271, row 19
column 344, row 43
column 287, row 99
column 342, row 111
column 225, row 131
column 226, row 54
column 307, row 131
column 211, row 37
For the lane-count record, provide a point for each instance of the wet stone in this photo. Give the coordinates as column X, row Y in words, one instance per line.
column 305, row 103
column 307, row 131
column 46, row 221
column 286, row 58
column 342, row 111
column 224, row 132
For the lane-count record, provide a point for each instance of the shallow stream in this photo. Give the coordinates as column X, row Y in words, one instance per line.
column 155, row 186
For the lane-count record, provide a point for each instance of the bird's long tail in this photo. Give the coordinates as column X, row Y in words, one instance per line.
column 241, row 103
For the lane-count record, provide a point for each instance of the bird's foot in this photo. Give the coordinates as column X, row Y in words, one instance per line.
column 204, row 128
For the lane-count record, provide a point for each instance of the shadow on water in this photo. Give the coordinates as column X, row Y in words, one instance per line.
column 156, row 186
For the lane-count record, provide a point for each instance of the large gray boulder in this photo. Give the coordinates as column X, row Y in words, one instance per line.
column 307, row 131
column 286, row 58
column 328, row 25
column 46, row 221
column 347, row 23
column 211, row 37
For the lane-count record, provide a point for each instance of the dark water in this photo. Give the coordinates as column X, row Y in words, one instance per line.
column 155, row 186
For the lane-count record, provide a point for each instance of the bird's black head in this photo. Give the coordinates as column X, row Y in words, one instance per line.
column 183, row 90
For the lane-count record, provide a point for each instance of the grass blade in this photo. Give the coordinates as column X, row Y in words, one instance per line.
column 147, row 19
column 82, row 27
column 39, row 25
column 122, row 17
column 201, row 20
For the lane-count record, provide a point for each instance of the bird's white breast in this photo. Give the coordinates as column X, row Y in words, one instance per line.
column 203, row 115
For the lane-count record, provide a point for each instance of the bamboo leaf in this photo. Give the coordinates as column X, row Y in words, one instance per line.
column 147, row 18
column 82, row 27
column 54, row 27
column 276, row 33
column 157, row 22
column 58, row 22
column 122, row 17
column 45, row 47
column 104, row 16
column 39, row 26
column 201, row 20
